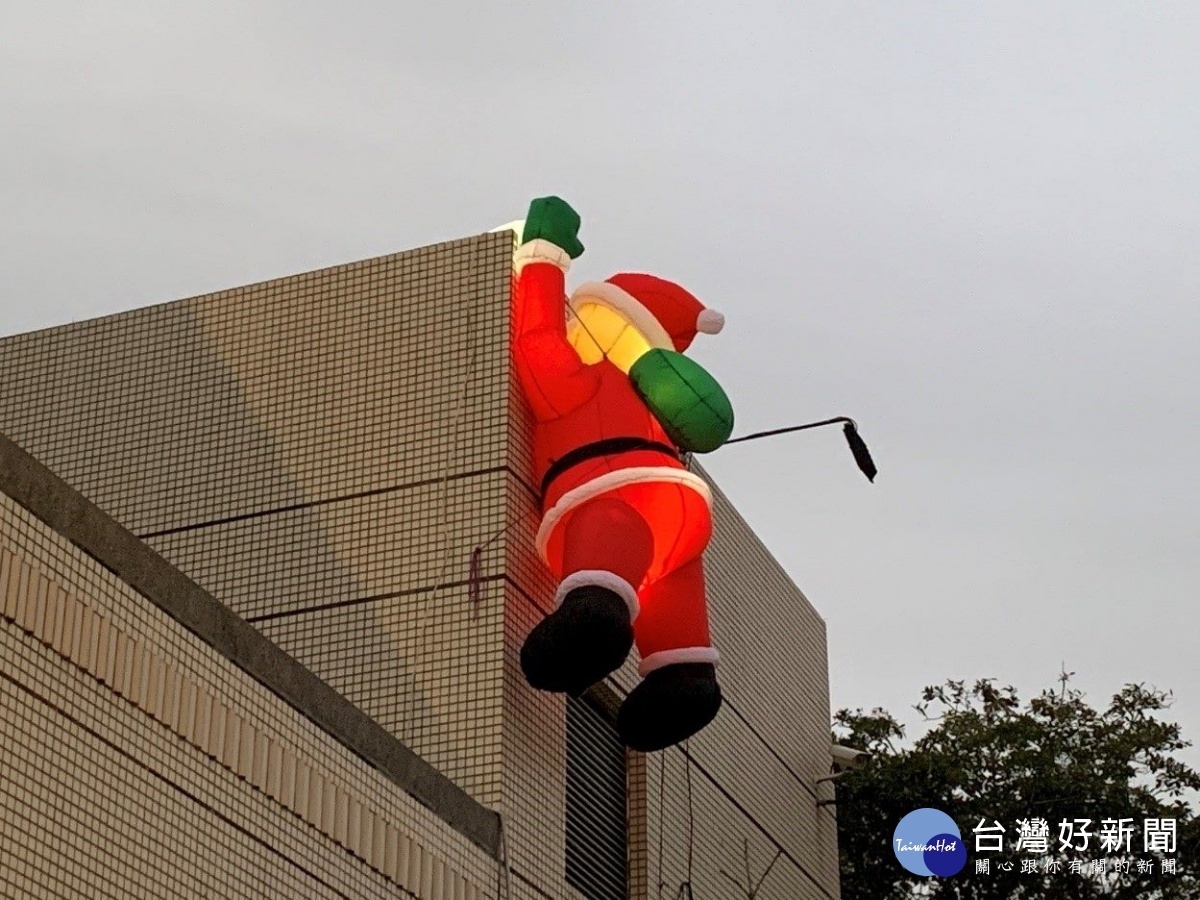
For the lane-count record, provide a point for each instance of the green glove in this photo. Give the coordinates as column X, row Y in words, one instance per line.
column 687, row 401
column 553, row 220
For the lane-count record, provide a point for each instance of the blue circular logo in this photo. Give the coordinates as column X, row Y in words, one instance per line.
column 927, row 842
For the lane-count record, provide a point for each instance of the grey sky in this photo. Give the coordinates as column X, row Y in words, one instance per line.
column 972, row 227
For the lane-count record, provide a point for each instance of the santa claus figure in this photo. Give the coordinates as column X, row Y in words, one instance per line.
column 624, row 522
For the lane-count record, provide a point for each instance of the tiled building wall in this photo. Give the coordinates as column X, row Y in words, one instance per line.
column 139, row 762
column 321, row 452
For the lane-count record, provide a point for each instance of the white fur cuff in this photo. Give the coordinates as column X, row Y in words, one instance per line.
column 599, row 578
column 541, row 250
column 680, row 655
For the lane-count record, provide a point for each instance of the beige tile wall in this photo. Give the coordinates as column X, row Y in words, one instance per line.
column 321, row 452
column 140, row 762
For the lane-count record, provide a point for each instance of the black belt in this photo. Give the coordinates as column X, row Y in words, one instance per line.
column 602, row 448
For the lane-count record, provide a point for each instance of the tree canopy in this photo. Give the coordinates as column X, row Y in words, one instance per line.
column 989, row 760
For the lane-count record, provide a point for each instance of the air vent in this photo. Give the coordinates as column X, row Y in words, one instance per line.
column 597, row 835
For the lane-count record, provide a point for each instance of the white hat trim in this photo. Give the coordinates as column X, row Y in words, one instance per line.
column 605, row 293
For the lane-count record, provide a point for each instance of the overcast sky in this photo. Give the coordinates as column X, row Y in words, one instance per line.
column 974, row 228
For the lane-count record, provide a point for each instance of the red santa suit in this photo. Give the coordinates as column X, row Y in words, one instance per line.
column 620, row 510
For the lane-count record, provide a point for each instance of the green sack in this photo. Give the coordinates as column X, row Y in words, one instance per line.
column 689, row 404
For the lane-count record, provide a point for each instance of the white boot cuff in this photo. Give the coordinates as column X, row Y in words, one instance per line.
column 599, row 578
column 679, row 655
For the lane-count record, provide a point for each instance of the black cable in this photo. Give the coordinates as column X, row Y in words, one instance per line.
column 858, row 447
column 789, row 429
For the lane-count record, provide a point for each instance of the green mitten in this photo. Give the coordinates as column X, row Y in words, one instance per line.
column 553, row 220
column 689, row 404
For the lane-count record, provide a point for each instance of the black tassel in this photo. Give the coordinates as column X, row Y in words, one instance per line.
column 862, row 455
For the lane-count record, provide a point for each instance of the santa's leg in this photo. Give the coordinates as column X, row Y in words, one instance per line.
column 607, row 547
column 678, row 695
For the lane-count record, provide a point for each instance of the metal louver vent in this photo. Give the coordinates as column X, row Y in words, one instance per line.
column 597, row 842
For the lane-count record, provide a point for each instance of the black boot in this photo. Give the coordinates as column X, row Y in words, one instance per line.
column 586, row 638
column 670, row 705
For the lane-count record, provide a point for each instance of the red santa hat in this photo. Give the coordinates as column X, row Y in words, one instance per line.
column 665, row 313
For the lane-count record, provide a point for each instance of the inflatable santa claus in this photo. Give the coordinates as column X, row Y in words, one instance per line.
column 625, row 523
